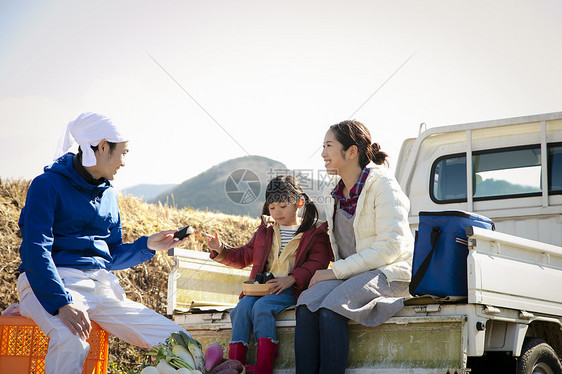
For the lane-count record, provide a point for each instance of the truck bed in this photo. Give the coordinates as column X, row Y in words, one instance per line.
column 412, row 340
column 505, row 302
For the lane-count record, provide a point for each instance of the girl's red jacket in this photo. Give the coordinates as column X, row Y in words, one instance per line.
column 313, row 253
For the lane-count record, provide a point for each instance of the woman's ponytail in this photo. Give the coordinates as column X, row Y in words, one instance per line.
column 377, row 156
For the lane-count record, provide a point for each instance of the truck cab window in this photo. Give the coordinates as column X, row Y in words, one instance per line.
column 449, row 179
column 509, row 172
column 498, row 173
column 555, row 169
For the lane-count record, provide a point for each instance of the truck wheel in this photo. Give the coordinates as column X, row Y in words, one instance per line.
column 537, row 357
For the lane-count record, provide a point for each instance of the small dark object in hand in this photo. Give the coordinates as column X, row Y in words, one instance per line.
column 263, row 278
column 183, row 232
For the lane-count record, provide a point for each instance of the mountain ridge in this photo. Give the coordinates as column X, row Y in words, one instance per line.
column 236, row 186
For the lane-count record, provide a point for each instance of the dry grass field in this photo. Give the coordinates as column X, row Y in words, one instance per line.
column 145, row 283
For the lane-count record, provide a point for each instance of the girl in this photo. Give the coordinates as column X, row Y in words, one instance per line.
column 289, row 248
column 372, row 246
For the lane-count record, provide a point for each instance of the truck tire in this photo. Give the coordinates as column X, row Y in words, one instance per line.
column 537, row 357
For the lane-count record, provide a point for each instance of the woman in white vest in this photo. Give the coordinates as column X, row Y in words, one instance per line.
column 372, row 245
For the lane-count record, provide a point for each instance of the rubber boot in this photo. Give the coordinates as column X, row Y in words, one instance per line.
column 267, row 351
column 237, row 351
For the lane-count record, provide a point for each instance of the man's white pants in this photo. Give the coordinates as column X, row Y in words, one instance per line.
column 98, row 293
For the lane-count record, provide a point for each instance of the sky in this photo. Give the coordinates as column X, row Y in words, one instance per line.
column 196, row 83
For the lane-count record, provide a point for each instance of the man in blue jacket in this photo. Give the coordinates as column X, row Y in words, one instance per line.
column 72, row 238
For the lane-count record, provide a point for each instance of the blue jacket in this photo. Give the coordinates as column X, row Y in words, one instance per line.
column 67, row 222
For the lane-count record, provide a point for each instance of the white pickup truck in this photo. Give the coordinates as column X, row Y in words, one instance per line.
column 509, row 170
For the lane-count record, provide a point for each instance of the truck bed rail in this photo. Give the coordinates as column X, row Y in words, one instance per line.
column 511, row 272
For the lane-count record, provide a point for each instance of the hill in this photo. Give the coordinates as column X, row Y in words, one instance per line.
column 146, row 283
column 147, row 192
column 235, row 186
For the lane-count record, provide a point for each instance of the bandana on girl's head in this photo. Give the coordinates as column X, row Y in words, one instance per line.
column 88, row 130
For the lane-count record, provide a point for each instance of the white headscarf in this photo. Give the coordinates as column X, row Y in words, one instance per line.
column 88, row 130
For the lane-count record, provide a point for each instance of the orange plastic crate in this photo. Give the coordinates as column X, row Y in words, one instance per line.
column 23, row 348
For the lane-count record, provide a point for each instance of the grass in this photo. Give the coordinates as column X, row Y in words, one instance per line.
column 145, row 283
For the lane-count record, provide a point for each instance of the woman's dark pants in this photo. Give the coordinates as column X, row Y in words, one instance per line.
column 321, row 341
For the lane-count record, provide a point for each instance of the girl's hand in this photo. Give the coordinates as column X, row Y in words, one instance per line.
column 322, row 275
column 163, row 240
column 278, row 285
column 213, row 242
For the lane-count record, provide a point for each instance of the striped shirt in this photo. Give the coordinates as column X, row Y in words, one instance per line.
column 287, row 233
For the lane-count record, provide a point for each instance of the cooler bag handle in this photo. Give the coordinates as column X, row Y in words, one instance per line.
column 418, row 277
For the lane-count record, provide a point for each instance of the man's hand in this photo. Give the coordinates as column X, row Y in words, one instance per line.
column 76, row 320
column 278, row 285
column 322, row 275
column 163, row 240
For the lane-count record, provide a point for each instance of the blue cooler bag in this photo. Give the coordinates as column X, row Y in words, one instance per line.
column 440, row 252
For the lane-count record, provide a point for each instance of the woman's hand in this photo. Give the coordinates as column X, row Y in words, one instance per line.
column 322, row 275
column 213, row 242
column 163, row 240
column 278, row 285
